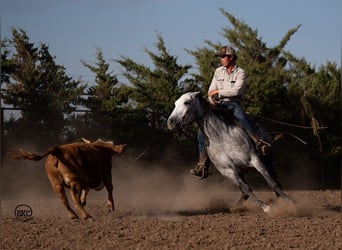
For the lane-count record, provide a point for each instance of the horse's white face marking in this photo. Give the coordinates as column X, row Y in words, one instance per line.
column 185, row 111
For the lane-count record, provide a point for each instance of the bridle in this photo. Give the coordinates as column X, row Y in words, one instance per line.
column 204, row 110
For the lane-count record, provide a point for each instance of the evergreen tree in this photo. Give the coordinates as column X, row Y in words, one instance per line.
column 155, row 90
column 106, row 94
column 6, row 66
column 313, row 94
column 106, row 102
column 207, row 63
column 40, row 89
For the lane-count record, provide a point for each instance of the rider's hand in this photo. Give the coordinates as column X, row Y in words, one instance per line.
column 211, row 96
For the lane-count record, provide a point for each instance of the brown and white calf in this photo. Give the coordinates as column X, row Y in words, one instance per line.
column 79, row 167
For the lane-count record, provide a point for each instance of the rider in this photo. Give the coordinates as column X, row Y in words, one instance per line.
column 227, row 89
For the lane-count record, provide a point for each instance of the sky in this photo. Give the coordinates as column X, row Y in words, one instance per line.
column 75, row 29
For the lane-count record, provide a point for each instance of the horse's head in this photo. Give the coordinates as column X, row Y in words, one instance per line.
column 188, row 108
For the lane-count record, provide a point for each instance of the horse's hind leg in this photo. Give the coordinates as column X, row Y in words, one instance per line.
column 274, row 185
column 268, row 162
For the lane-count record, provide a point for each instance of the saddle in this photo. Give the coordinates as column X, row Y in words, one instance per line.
column 226, row 115
column 262, row 145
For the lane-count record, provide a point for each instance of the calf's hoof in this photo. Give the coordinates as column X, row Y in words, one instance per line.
column 110, row 206
column 88, row 217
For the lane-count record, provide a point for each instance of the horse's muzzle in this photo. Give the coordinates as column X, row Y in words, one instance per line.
column 172, row 123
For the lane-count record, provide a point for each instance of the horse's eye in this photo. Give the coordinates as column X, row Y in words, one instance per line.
column 187, row 103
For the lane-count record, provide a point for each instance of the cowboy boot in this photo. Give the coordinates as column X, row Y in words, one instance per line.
column 202, row 167
column 262, row 146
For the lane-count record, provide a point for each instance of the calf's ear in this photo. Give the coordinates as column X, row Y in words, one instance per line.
column 119, row 148
column 85, row 140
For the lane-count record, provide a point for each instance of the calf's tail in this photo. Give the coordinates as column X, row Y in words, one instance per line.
column 22, row 154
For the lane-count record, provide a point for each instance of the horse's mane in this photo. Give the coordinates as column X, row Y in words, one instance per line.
column 222, row 113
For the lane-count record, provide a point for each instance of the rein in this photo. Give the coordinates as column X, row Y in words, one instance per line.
column 204, row 112
column 288, row 124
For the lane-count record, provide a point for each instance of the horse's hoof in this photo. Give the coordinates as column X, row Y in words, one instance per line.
column 237, row 209
column 266, row 208
column 288, row 200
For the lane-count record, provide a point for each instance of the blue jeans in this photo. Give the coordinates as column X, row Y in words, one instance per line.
column 201, row 141
column 240, row 115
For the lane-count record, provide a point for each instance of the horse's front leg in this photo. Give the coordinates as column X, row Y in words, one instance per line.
column 245, row 189
column 243, row 198
column 240, row 203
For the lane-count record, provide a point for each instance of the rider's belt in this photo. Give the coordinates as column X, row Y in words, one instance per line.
column 227, row 100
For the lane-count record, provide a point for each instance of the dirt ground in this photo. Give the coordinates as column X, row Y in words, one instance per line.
column 159, row 210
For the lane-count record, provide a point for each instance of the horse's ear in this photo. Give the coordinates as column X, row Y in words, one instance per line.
column 199, row 95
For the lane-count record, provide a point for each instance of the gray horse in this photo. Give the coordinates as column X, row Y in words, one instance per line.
column 229, row 147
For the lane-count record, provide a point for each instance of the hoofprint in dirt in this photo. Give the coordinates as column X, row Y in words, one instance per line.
column 315, row 223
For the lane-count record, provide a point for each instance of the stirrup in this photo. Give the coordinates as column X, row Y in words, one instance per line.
column 264, row 147
column 201, row 171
